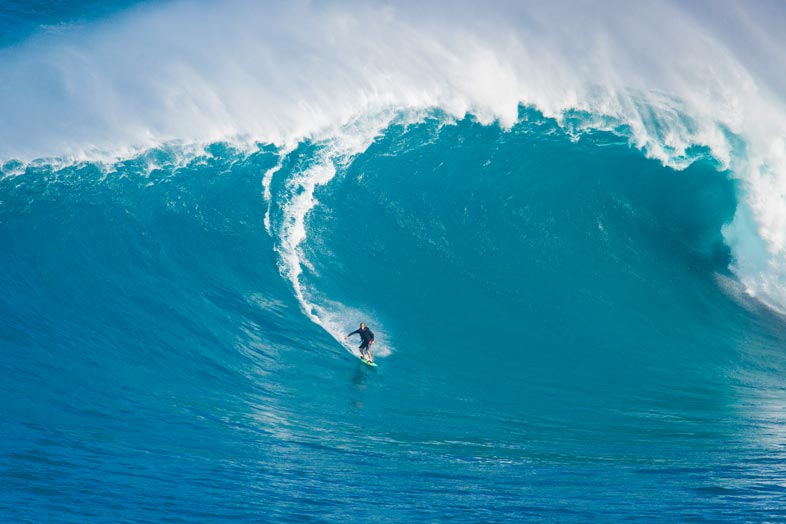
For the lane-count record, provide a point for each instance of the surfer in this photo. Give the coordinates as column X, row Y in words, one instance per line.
column 366, row 340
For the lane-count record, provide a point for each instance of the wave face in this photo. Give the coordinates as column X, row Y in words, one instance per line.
column 548, row 311
column 571, row 259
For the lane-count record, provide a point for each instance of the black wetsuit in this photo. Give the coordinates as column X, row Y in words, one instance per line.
column 366, row 336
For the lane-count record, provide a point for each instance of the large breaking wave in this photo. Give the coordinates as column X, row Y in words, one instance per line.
column 202, row 72
column 553, row 217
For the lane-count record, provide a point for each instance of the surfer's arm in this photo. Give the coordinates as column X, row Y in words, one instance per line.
column 353, row 333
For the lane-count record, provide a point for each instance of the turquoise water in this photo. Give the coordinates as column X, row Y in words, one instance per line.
column 561, row 336
column 20, row 19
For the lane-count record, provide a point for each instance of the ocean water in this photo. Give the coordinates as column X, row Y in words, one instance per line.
column 575, row 271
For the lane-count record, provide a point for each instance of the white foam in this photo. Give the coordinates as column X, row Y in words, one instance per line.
column 267, row 180
column 676, row 75
column 335, row 150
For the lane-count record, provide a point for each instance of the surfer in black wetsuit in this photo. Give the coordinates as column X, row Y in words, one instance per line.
column 366, row 341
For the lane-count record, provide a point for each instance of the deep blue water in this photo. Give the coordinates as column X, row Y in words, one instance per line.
column 20, row 19
column 559, row 336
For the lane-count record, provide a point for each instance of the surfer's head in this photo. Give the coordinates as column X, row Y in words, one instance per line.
column 362, row 325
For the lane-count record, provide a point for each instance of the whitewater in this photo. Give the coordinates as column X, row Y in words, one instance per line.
column 565, row 222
